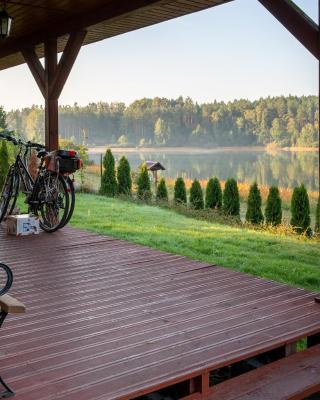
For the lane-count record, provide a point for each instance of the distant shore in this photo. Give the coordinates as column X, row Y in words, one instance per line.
column 197, row 150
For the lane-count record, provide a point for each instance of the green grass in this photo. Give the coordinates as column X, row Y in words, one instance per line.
column 287, row 259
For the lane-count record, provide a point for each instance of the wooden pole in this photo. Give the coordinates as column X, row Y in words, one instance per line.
column 319, row 100
column 51, row 102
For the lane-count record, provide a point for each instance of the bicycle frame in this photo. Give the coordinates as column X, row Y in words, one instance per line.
column 22, row 170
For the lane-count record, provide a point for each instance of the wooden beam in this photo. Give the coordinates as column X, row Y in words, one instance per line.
column 296, row 22
column 35, row 67
column 52, row 77
column 66, row 62
column 51, row 104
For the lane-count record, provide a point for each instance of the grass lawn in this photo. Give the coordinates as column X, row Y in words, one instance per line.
column 287, row 259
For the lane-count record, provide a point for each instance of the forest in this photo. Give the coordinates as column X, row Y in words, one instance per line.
column 281, row 121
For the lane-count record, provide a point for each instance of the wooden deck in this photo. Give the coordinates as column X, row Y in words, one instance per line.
column 108, row 319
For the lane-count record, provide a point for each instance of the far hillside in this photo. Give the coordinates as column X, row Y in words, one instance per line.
column 281, row 121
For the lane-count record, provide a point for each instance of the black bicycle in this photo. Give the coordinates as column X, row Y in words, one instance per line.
column 51, row 196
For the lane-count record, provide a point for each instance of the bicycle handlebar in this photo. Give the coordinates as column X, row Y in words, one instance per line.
column 36, row 145
column 7, row 136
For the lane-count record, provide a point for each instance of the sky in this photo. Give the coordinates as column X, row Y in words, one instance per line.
column 237, row 50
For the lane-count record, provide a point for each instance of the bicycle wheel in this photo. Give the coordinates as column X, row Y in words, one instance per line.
column 8, row 279
column 72, row 200
column 6, row 194
column 14, row 194
column 51, row 195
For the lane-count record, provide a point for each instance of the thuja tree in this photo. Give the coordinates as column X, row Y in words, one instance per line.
column 231, row 198
column 4, row 163
column 300, row 210
column 273, row 210
column 196, row 195
column 124, row 177
column 180, row 193
column 213, row 194
column 162, row 192
column 254, row 213
column 108, row 180
column 317, row 225
column 144, row 187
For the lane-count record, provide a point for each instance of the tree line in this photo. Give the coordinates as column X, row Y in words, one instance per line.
column 118, row 181
column 282, row 121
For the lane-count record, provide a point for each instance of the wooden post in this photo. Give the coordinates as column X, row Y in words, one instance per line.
column 52, row 77
column 51, row 102
column 319, row 100
column 155, row 179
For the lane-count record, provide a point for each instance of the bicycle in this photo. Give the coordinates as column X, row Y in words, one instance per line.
column 51, row 196
column 8, row 279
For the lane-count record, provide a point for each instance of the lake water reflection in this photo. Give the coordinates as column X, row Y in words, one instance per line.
column 285, row 169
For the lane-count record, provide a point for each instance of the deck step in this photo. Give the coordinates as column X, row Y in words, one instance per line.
column 291, row 378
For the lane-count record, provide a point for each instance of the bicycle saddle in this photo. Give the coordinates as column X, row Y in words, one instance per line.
column 42, row 153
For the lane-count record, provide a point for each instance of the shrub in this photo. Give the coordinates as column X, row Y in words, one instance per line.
column 144, row 188
column 196, row 195
column 4, row 163
column 180, row 193
column 274, row 207
column 317, row 226
column 231, row 198
column 254, row 214
column 124, row 177
column 213, row 194
column 300, row 210
column 162, row 192
column 108, row 180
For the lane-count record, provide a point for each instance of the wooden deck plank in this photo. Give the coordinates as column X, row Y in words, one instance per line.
column 112, row 320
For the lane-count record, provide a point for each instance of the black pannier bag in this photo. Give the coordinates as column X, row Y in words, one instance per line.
column 63, row 161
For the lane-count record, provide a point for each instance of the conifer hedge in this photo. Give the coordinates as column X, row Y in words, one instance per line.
column 231, row 198
column 180, row 193
column 273, row 210
column 162, row 192
column 124, row 177
column 144, row 186
column 254, row 213
column 214, row 194
column 196, row 196
column 300, row 210
column 108, row 180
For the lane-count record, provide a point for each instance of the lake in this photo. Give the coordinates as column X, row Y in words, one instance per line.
column 283, row 168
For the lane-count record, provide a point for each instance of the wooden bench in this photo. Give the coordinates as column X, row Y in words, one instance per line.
column 8, row 305
column 291, row 378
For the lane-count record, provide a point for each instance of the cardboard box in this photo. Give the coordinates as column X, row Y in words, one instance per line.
column 22, row 225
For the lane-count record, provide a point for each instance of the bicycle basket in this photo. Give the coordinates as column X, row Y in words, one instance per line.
column 63, row 161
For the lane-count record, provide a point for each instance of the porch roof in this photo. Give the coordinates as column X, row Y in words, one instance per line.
column 35, row 20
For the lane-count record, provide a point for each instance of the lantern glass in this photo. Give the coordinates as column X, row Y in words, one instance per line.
column 5, row 24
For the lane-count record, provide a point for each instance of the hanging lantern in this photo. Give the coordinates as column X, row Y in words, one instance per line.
column 5, row 23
